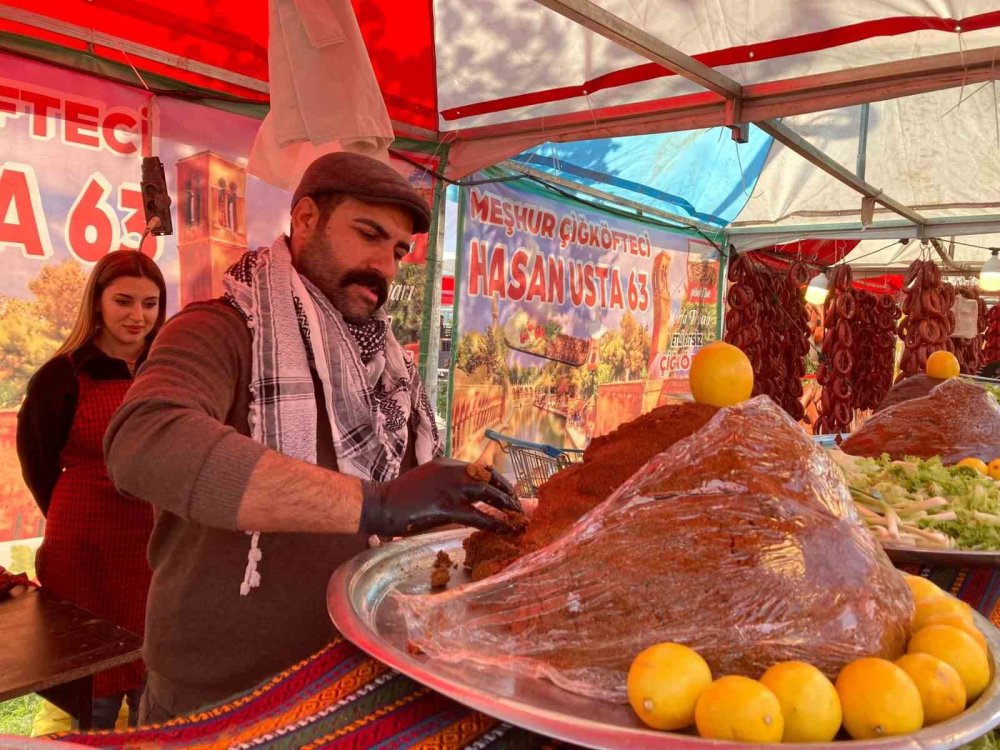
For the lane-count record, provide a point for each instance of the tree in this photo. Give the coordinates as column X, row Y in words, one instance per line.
column 469, row 354
column 624, row 353
column 31, row 330
column 495, row 352
column 585, row 381
column 636, row 341
column 59, row 291
column 407, row 311
column 25, row 345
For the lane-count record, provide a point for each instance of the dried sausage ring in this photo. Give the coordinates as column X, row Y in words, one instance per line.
column 843, row 278
column 842, row 414
column 930, row 331
column 931, row 301
column 841, row 389
column 845, row 336
column 799, row 274
column 885, row 303
column 739, row 298
column 734, row 319
column 846, row 307
column 736, row 268
column 932, row 273
column 843, row 361
column 885, row 321
column 913, row 278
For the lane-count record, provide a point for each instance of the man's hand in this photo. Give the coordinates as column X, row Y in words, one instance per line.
column 440, row 492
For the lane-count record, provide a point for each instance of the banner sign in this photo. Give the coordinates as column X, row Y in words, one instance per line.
column 570, row 320
column 71, row 149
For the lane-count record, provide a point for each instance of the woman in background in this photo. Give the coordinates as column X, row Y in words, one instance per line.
column 94, row 548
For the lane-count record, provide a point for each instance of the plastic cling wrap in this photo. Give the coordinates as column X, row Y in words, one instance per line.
column 740, row 541
column 955, row 420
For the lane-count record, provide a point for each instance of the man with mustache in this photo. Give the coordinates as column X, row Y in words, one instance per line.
column 275, row 430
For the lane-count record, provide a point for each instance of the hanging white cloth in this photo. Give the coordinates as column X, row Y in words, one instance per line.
column 324, row 95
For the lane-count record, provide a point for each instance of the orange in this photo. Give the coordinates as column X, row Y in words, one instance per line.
column 957, row 621
column 957, row 648
column 878, row 699
column 741, row 709
column 721, row 375
column 939, row 605
column 810, row 705
column 921, row 588
column 974, row 463
column 993, row 468
column 942, row 692
column 943, row 365
column 664, row 684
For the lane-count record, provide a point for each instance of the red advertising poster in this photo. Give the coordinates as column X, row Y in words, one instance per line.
column 71, row 149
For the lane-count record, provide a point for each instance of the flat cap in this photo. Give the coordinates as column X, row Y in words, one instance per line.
column 366, row 179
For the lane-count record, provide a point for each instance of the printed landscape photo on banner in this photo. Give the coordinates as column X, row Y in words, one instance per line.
column 570, row 320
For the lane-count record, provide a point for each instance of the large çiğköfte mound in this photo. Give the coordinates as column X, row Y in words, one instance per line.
column 956, row 420
column 741, row 541
column 915, row 386
column 607, row 463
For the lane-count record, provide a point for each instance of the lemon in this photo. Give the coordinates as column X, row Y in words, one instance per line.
column 921, row 588
column 993, row 469
column 942, row 692
column 664, row 684
column 809, row 702
column 958, row 622
column 878, row 699
column 957, row 648
column 938, row 605
column 975, row 463
column 943, row 365
column 720, row 375
column 741, row 709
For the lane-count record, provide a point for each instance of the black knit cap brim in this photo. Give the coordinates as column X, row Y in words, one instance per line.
column 366, row 179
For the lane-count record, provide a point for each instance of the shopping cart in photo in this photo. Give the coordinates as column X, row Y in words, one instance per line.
column 534, row 463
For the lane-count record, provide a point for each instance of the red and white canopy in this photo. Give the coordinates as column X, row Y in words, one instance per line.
column 492, row 79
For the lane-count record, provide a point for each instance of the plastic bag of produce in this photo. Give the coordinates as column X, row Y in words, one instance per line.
column 956, row 420
column 740, row 541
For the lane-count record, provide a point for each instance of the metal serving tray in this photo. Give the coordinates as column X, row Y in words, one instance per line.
column 958, row 558
column 360, row 608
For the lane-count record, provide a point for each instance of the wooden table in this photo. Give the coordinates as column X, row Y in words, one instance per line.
column 54, row 648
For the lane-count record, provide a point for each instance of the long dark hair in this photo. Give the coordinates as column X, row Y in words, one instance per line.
column 112, row 266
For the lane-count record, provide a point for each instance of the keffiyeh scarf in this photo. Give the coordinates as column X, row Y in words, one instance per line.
column 371, row 391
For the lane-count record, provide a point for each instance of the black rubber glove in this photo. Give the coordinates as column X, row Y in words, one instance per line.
column 434, row 494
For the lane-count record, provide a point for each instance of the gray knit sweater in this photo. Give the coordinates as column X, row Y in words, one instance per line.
column 181, row 441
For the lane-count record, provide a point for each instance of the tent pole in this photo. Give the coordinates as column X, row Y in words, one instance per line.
column 596, row 19
column 761, row 101
column 750, row 238
column 792, row 140
column 863, row 142
column 113, row 42
column 625, row 34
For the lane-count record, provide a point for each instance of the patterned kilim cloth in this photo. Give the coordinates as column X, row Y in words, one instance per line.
column 341, row 698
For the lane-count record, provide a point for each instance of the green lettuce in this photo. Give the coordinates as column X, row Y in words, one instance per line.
column 957, row 501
